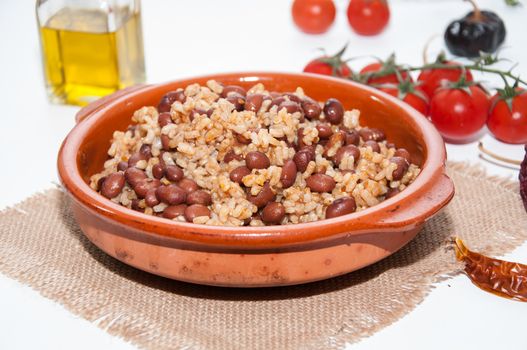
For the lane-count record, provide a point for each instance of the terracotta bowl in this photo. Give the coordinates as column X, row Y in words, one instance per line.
column 255, row 256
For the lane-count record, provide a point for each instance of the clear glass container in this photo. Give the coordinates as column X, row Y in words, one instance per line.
column 90, row 48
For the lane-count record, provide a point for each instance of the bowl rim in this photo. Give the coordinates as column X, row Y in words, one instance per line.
column 374, row 219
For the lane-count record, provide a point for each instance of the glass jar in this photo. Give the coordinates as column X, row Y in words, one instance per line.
column 90, row 48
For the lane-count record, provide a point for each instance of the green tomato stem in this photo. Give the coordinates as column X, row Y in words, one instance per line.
column 366, row 76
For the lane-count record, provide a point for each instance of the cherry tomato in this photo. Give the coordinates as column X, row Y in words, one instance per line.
column 458, row 114
column 319, row 66
column 420, row 103
column 433, row 79
column 313, row 16
column 368, row 17
column 507, row 126
column 387, row 79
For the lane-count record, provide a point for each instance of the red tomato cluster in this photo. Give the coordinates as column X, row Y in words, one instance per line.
column 461, row 113
column 458, row 107
column 366, row 17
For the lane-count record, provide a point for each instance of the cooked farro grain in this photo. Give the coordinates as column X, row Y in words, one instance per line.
column 210, row 133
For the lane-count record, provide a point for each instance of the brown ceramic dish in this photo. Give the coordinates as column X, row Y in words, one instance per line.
column 255, row 256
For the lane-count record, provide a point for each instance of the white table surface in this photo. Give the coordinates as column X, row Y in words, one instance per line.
column 188, row 38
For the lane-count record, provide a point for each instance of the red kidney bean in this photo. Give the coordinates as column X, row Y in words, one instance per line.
column 158, row 171
column 171, row 194
column 402, row 167
column 146, row 150
column 236, row 175
column 374, row 145
column 333, row 111
column 265, row 196
column 135, row 205
column 390, row 145
column 174, row 211
column 169, row 98
column 150, row 198
column 276, row 101
column 164, row 119
column 310, row 149
column 391, row 192
column 135, row 158
column 160, row 158
column 231, row 155
column 253, row 102
column 379, row 134
column 324, row 131
column 230, row 89
column 145, row 185
column 273, row 213
column 371, row 134
column 165, row 142
column 403, row 153
column 352, row 137
column 341, row 206
column 188, row 185
column 100, row 182
column 300, row 138
column 122, row 165
column 237, row 100
column 209, row 112
column 199, row 197
column 302, row 159
column 257, row 160
column 320, row 183
column 311, row 108
column 173, row 173
column 288, row 175
column 346, row 152
column 290, row 106
column 112, row 185
column 292, row 97
column 242, row 139
column 133, row 176
column 196, row 210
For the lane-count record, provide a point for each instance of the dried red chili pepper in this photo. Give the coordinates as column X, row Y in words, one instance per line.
column 523, row 179
column 503, row 278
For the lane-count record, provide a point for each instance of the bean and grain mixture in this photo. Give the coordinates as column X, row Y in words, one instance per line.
column 221, row 155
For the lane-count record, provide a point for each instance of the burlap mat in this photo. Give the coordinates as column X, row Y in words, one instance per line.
column 41, row 246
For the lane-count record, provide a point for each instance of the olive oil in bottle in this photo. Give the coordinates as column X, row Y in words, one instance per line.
column 91, row 52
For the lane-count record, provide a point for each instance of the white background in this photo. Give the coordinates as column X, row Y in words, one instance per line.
column 187, row 38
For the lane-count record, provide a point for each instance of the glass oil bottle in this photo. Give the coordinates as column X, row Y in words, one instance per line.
column 90, row 48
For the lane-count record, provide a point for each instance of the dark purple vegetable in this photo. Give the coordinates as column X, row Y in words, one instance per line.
column 523, row 180
column 479, row 31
